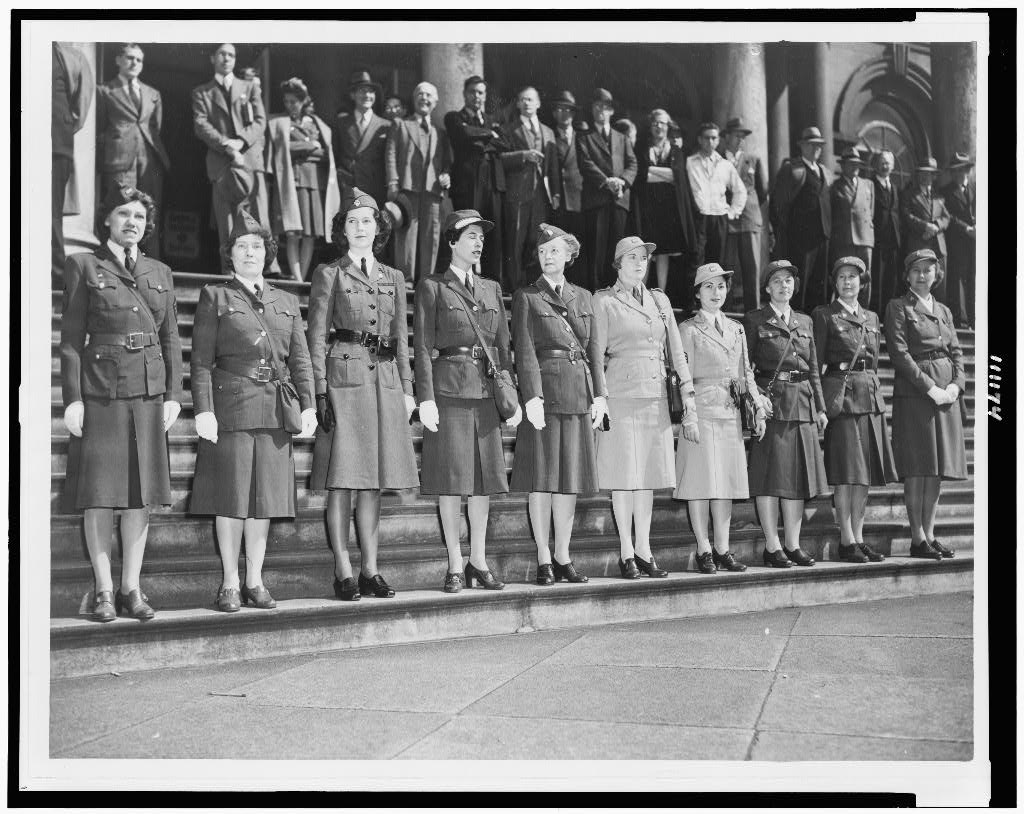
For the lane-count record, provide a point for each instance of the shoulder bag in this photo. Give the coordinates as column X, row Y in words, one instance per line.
column 672, row 381
column 506, row 397
column 834, row 396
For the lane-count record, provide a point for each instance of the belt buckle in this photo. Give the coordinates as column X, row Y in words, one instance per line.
column 367, row 340
column 135, row 341
column 574, row 355
column 477, row 352
column 263, row 373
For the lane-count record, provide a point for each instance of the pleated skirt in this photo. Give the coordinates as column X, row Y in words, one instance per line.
column 788, row 462
column 928, row 441
column 561, row 458
column 636, row 453
column 715, row 468
column 248, row 473
column 465, row 455
column 858, row 451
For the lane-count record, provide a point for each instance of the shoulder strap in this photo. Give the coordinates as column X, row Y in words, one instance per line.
column 668, row 348
column 492, row 357
column 270, row 340
column 782, row 359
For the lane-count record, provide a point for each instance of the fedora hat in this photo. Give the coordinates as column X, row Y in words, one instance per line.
column 564, row 98
column 850, row 155
column 461, row 218
column 960, row 161
column 812, row 135
column 928, row 165
column 603, row 96
column 360, row 78
column 708, row 272
column 735, row 125
column 628, row 244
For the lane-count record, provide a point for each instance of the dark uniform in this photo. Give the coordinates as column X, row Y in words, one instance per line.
column 366, row 378
column 547, row 331
column 128, row 368
column 787, row 462
column 464, row 457
column 250, row 471
column 928, row 440
column 857, row 447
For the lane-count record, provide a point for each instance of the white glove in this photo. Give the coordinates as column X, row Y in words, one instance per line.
column 206, row 426
column 598, row 410
column 410, row 405
column 309, row 424
column 953, row 392
column 429, row 417
column 74, row 418
column 535, row 412
column 516, row 419
column 171, row 411
column 822, row 421
column 938, row 395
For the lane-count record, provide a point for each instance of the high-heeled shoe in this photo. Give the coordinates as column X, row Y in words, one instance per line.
column 346, row 589
column 375, row 585
column 452, row 583
column 545, row 574
column 776, row 559
column 628, row 569
column 726, row 562
column 799, row 556
column 103, row 607
column 485, row 578
column 568, row 572
column 134, row 604
column 852, row 553
column 945, row 551
column 649, row 567
column 258, row 596
column 870, row 553
column 228, row 600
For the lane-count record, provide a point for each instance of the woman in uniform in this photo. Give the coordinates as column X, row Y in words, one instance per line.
column 359, row 346
column 847, row 338
column 927, row 432
column 561, row 377
column 633, row 325
column 251, row 377
column 122, row 393
column 786, row 465
column 710, row 459
column 462, row 448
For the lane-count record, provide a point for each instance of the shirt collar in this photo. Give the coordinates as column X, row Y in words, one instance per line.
column 712, row 318
column 371, row 267
column 854, row 309
column 813, row 165
column 119, row 251
column 128, row 83
column 221, row 80
column 927, row 303
column 782, row 316
column 250, row 285
column 528, row 120
column 460, row 273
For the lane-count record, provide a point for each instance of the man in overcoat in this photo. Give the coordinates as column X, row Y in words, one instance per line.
column 853, row 212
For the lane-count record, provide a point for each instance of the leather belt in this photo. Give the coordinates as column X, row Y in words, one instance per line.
column 932, row 354
column 791, row 376
column 474, row 352
column 132, row 341
column 572, row 355
column 258, row 373
column 842, row 367
column 382, row 346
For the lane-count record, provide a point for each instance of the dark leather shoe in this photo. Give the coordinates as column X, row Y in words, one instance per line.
column 258, row 596
column 452, row 583
column 776, row 559
column 346, row 589
column 870, row 553
column 628, row 569
column 923, row 551
column 485, row 578
column 568, row 572
column 650, row 567
column 375, row 585
column 706, row 563
column 799, row 556
column 103, row 607
column 228, row 600
column 545, row 574
column 943, row 550
column 135, row 604
column 852, row 553
column 727, row 562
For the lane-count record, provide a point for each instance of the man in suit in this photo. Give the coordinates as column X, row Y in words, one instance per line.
column 743, row 242
column 801, row 215
column 418, row 164
column 360, row 140
column 71, row 95
column 478, row 178
column 925, row 219
column 608, row 165
column 531, row 185
column 853, row 213
column 960, row 203
column 567, row 209
column 885, row 259
column 228, row 116
column 129, row 115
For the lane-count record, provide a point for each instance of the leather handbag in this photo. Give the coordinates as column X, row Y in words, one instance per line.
column 506, row 397
column 673, row 384
column 745, row 400
column 834, row 390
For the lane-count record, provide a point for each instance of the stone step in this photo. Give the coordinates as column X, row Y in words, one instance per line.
column 196, row 636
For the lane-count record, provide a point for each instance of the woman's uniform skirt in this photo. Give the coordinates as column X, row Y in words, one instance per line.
column 121, row 461
column 715, row 468
column 928, row 440
column 788, row 461
column 561, row 458
column 857, row 450
column 465, row 455
column 636, row 452
column 247, row 473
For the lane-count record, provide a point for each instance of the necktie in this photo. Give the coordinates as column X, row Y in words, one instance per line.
column 362, row 124
column 362, row 266
column 480, row 117
column 469, row 283
column 424, row 125
column 258, row 291
column 133, row 91
column 718, row 326
column 128, row 264
column 533, row 133
column 226, row 84
column 607, row 136
column 638, row 294
column 558, row 291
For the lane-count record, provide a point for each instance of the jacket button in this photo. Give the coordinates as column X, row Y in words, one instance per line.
column 259, row 310
column 101, row 285
column 263, row 361
column 345, row 356
column 370, row 366
column 373, row 307
column 97, row 356
column 348, row 290
column 373, row 322
column 475, row 308
column 263, row 333
column 648, row 320
column 572, row 344
column 650, row 339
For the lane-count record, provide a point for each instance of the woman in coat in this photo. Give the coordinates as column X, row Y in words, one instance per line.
column 305, row 179
column 122, row 393
column 561, row 377
column 251, row 377
column 359, row 346
column 847, row 338
column 927, row 432
column 786, row 465
column 462, row 448
column 635, row 330
column 710, row 459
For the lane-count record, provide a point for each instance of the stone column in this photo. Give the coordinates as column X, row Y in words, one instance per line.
column 738, row 89
column 79, row 228
column 955, row 98
column 448, row 65
column 822, row 107
column 777, row 84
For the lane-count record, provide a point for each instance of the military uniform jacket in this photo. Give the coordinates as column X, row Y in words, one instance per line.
column 767, row 338
column 101, row 297
column 910, row 332
column 631, row 343
column 343, row 297
column 918, row 210
column 234, row 328
column 440, row 321
column 853, row 212
column 838, row 335
column 714, row 361
column 539, row 323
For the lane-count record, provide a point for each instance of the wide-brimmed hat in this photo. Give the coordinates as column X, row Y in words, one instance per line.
column 928, row 165
column 355, row 198
column 461, row 218
column 708, row 272
column 546, row 233
column 853, row 262
column 850, row 155
column 603, row 96
column 777, row 266
column 360, row 78
column 565, row 99
column 812, row 135
column 960, row 161
column 627, row 244
column 244, row 224
column 736, row 125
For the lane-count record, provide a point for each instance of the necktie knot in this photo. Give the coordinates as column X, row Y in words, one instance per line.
column 718, row 326
column 425, row 125
column 129, row 265
column 638, row 294
column 258, row 291
column 558, row 291
column 362, row 264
